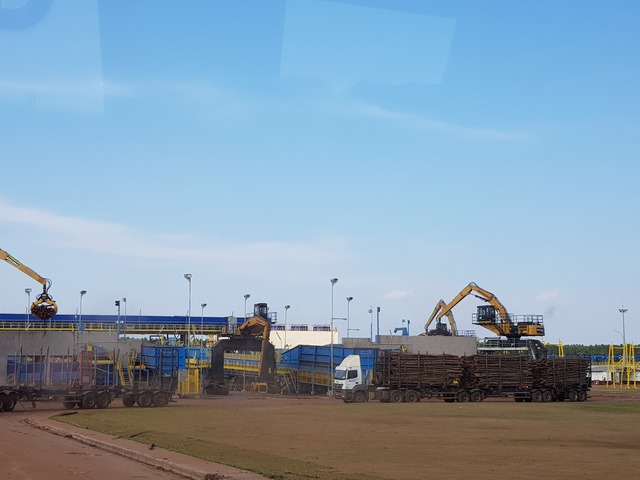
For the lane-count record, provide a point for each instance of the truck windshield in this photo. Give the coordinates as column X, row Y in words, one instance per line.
column 341, row 374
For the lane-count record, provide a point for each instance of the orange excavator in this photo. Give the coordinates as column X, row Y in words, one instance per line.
column 44, row 307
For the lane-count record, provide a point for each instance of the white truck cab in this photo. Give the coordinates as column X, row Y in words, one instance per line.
column 348, row 379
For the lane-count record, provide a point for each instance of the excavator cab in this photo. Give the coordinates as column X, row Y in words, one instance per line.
column 486, row 314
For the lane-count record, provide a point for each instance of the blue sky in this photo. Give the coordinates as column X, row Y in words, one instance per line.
column 406, row 148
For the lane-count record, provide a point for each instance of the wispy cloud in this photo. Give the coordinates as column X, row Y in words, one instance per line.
column 398, row 294
column 107, row 238
column 548, row 296
column 419, row 122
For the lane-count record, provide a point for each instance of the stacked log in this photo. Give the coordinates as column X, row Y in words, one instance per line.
column 562, row 372
column 407, row 370
column 499, row 372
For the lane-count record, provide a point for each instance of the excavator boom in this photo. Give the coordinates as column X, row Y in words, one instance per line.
column 494, row 317
column 44, row 307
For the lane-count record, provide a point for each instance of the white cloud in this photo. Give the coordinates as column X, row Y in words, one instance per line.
column 548, row 296
column 398, row 294
column 418, row 122
column 107, row 238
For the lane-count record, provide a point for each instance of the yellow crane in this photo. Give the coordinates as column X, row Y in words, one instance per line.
column 44, row 307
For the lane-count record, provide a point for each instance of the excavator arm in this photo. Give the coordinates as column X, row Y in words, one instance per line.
column 257, row 326
column 44, row 307
column 494, row 317
column 440, row 328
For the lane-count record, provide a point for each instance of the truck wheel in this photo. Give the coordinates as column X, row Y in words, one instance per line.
column 582, row 395
column 144, row 400
column 547, row 396
column 463, row 396
column 103, row 400
column 536, row 396
column 412, row 396
column 359, row 397
column 396, row 396
column 69, row 404
column 88, row 400
column 128, row 400
column 476, row 396
column 573, row 396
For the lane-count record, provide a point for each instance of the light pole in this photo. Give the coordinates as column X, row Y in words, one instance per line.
column 80, row 325
column 246, row 297
column 202, row 319
column 333, row 282
column 28, row 312
column 348, row 302
column 371, row 323
column 124, row 324
column 624, row 339
column 187, row 276
column 118, row 323
column 286, row 309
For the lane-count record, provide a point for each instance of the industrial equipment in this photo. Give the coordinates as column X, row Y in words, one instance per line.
column 252, row 335
column 494, row 317
column 44, row 307
column 441, row 328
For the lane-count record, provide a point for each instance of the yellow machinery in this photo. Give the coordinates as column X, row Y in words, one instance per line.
column 44, row 307
column 493, row 317
column 441, row 328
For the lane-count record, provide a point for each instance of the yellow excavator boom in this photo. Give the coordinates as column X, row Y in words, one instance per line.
column 44, row 307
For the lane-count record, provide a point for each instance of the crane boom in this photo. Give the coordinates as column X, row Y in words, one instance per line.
column 44, row 306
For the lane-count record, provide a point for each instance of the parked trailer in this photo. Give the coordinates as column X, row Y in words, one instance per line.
column 91, row 379
column 404, row 377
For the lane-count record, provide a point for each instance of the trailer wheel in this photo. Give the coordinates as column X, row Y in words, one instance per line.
column 412, row 396
column 360, row 397
column 160, row 399
column 128, row 400
column 463, row 396
column 396, row 396
column 476, row 396
column 536, row 396
column 8, row 401
column 582, row 396
column 145, row 400
column 88, row 400
column 573, row 396
column 69, row 404
column 103, row 400
column 547, row 396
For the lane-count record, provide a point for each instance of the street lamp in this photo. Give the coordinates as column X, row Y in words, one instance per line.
column 118, row 322
column 246, row 297
column 348, row 302
column 80, row 326
column 333, row 282
column 124, row 324
column 371, row 323
column 187, row 276
column 28, row 292
column 202, row 319
column 624, row 338
column 286, row 309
